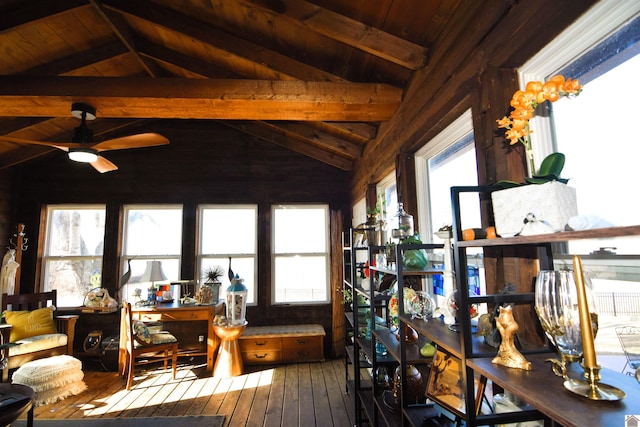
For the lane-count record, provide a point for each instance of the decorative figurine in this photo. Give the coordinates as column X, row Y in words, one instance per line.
column 508, row 354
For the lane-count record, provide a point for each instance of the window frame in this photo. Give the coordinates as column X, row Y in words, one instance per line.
column 145, row 257
column 46, row 257
column 387, row 189
column 326, row 253
column 601, row 21
column 253, row 298
column 449, row 136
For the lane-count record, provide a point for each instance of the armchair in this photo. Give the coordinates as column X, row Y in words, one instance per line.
column 53, row 335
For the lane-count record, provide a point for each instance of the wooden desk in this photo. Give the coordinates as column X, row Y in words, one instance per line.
column 176, row 312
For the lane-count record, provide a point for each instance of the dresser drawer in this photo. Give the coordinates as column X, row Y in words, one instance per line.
column 259, row 344
column 256, row 357
column 295, row 349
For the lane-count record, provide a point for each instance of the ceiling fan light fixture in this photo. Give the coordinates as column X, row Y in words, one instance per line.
column 83, row 155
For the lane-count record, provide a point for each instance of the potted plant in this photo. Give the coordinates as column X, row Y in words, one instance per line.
column 213, row 274
column 209, row 291
column 552, row 201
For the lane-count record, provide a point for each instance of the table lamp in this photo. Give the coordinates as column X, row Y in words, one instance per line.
column 153, row 273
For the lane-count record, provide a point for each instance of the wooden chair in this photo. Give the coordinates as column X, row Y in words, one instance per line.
column 28, row 302
column 629, row 337
column 138, row 352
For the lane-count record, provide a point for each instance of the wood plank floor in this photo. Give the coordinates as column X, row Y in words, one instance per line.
column 305, row 394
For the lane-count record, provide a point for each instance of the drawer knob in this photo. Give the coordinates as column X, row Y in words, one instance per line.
column 261, row 343
column 301, row 341
column 261, row 356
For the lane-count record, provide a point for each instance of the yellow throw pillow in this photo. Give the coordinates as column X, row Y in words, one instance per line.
column 25, row 324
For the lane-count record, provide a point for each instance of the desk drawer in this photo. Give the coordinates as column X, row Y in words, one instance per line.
column 259, row 344
column 179, row 316
column 261, row 356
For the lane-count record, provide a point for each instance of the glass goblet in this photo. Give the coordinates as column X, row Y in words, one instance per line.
column 556, row 304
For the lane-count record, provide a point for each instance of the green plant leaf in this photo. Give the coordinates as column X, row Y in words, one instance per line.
column 551, row 165
column 508, row 184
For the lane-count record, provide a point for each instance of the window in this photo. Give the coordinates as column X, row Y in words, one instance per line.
column 151, row 233
column 230, row 232
column 446, row 161
column 74, row 244
column 449, row 160
column 387, row 192
column 591, row 129
column 300, row 254
column 596, row 133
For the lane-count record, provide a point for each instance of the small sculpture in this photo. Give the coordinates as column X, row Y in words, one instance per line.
column 508, row 354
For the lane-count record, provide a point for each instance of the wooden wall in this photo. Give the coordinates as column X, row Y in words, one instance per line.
column 473, row 66
column 206, row 162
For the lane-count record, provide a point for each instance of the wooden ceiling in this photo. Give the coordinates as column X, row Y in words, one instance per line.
column 318, row 77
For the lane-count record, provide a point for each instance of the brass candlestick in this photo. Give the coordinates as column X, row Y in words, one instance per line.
column 590, row 387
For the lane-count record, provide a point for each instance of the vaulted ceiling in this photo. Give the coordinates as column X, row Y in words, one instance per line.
column 318, row 77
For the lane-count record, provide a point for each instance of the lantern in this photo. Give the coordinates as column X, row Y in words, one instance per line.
column 236, row 302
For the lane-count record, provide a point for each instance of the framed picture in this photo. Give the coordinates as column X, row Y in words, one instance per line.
column 445, row 386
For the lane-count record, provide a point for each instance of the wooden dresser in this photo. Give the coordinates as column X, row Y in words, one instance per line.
column 282, row 344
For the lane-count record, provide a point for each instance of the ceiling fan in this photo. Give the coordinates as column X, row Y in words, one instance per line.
column 84, row 149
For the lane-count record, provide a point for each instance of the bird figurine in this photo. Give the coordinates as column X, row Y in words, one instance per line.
column 230, row 274
column 126, row 276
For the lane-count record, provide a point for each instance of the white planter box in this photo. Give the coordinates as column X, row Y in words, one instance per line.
column 552, row 202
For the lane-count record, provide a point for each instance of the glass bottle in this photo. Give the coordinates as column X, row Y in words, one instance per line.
column 403, row 224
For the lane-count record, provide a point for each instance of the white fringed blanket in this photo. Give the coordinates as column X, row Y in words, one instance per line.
column 52, row 379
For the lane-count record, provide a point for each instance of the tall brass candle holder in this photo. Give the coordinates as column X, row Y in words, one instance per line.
column 590, row 387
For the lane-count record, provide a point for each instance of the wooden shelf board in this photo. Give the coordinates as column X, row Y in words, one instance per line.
column 544, row 391
column 562, row 236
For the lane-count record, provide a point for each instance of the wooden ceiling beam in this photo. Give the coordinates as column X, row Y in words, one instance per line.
column 123, row 32
column 318, row 138
column 355, row 132
column 346, row 30
column 132, row 97
column 190, row 64
column 279, row 137
column 15, row 157
column 227, row 44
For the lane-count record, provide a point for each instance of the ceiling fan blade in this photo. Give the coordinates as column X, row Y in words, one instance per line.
column 141, row 140
column 103, row 165
column 64, row 146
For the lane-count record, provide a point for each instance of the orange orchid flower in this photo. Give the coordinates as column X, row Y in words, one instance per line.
column 525, row 101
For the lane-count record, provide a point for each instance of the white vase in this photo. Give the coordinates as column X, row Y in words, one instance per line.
column 552, row 202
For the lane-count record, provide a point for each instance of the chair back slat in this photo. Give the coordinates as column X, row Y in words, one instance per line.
column 128, row 326
column 29, row 301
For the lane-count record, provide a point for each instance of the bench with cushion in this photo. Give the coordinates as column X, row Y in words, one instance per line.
column 282, row 344
column 30, row 321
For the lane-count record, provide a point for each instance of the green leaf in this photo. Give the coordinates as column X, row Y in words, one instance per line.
column 508, row 184
column 551, row 165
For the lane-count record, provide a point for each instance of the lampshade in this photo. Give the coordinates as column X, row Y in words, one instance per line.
column 83, row 155
column 153, row 272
